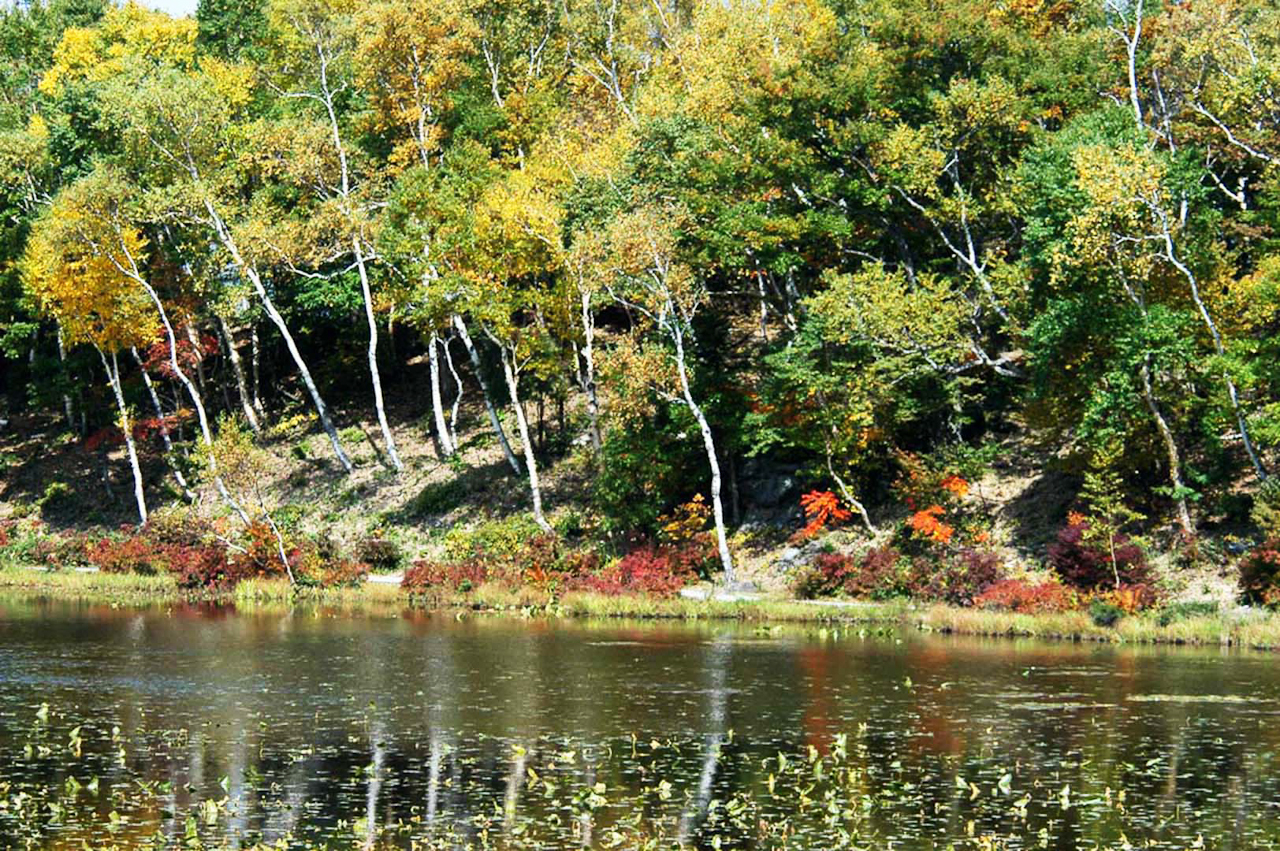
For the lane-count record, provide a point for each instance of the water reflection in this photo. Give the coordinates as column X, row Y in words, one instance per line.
column 308, row 725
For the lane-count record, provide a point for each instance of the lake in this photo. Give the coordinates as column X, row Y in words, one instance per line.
column 200, row 725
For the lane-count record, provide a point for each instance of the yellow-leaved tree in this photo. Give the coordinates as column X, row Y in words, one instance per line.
column 75, row 283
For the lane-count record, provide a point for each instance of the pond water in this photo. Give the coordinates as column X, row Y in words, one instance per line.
column 200, row 725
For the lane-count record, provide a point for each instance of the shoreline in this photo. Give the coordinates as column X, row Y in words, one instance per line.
column 1253, row 629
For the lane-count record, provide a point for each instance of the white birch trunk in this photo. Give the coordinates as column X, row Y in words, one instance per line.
column 387, row 438
column 228, row 242
column 708, row 442
column 237, row 369
column 488, row 397
column 589, row 366
column 164, row 429
column 437, row 403
column 113, row 377
column 530, row 461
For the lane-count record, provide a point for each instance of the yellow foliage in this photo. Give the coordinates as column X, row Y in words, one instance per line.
column 125, row 34
column 71, row 272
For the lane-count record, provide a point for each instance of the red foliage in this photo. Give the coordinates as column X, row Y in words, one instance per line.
column 201, row 567
column 148, row 427
column 158, row 361
column 1018, row 595
column 957, row 580
column 260, row 555
column 423, row 575
column 130, row 554
column 1260, row 574
column 821, row 507
column 645, row 570
column 108, row 436
column 1086, row 564
column 344, row 573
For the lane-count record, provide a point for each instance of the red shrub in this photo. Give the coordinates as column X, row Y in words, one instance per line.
column 259, row 556
column 424, row 575
column 1086, row 564
column 1260, row 575
column 956, row 580
column 133, row 553
column 878, row 576
column 826, row 575
column 201, row 567
column 1018, row 595
column 645, row 570
column 344, row 573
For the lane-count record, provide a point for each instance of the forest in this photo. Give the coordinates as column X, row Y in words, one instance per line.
column 636, row 251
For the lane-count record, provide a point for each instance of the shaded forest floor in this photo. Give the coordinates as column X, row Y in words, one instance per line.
column 47, row 470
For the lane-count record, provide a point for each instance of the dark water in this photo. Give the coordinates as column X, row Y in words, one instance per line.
column 236, row 728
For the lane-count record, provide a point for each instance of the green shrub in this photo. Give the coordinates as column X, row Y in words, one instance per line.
column 494, row 539
column 1182, row 611
column 1266, row 508
column 379, row 553
column 1105, row 614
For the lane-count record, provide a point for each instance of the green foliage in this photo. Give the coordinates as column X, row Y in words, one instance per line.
column 1105, row 614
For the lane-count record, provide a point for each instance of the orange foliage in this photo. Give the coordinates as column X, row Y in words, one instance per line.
column 821, row 507
column 955, row 485
column 927, row 524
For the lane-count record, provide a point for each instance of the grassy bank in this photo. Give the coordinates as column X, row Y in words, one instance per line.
column 1257, row 629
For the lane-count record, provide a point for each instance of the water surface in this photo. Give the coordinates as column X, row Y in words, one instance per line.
column 241, row 728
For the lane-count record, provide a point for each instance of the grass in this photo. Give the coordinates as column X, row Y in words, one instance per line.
column 1255, row 629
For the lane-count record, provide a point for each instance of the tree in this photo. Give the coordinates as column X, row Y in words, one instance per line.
column 93, row 303
column 649, row 278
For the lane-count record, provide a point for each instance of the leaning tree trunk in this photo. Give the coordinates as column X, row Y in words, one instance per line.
column 1170, row 448
column 113, row 377
column 530, row 461
column 237, row 369
column 163, row 427
column 196, row 399
column 457, row 395
column 488, row 397
column 708, row 442
column 437, row 403
column 228, row 242
column 387, row 438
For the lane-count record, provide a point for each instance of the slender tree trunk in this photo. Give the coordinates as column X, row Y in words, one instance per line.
column 322, row 411
column 1170, row 448
column 196, row 399
column 387, row 437
column 67, row 410
column 457, row 396
column 530, row 462
column 849, row 497
column 163, row 428
column 443, row 439
column 197, row 353
column 708, row 442
column 113, row 377
column 1218, row 346
column 488, row 397
column 589, row 375
column 237, row 368
column 256, row 355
